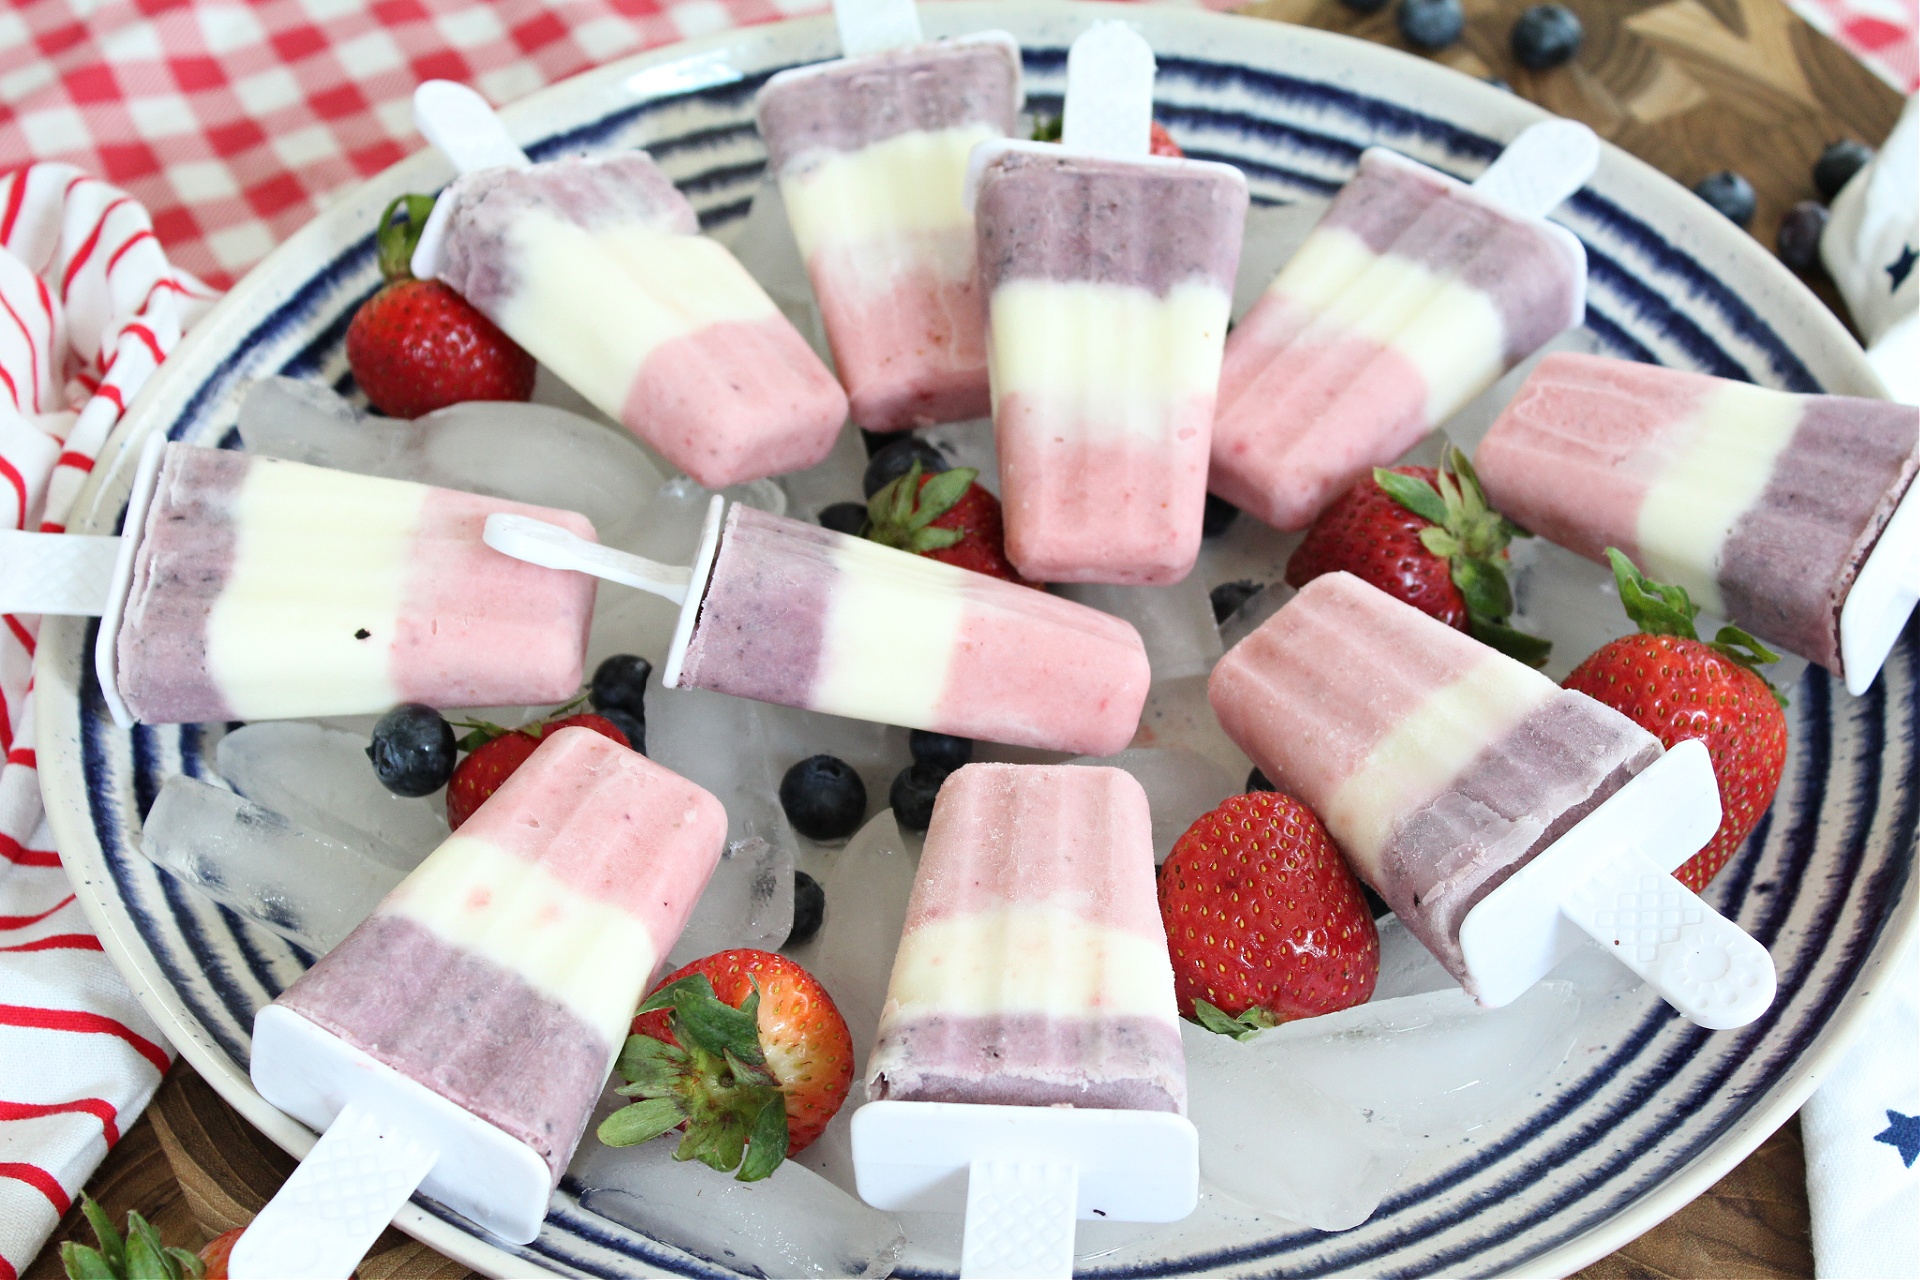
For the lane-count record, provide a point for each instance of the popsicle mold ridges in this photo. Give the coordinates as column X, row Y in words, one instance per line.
column 1033, row 967
column 502, row 973
column 1762, row 504
column 1439, row 766
column 806, row 617
column 266, row 589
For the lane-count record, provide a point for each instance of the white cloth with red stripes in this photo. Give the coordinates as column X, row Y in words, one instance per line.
column 89, row 305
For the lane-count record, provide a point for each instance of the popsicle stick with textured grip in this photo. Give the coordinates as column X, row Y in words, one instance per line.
column 1020, row 1219
column 1547, row 163
column 1699, row 961
column 463, row 126
column 343, row 1195
column 60, row 573
column 1109, row 107
column 874, row 26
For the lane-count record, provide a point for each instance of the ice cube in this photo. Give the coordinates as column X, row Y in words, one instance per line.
column 1175, row 622
column 1275, row 1142
column 304, row 886
column 793, row 1223
column 1177, row 714
column 867, row 890
column 831, row 1155
column 836, row 479
column 1407, row 968
column 720, row 743
column 1181, row 785
column 322, row 780
column 969, row 444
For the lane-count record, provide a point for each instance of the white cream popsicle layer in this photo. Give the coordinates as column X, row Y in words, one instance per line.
column 1412, row 295
column 1440, row 766
column 597, row 267
column 266, row 589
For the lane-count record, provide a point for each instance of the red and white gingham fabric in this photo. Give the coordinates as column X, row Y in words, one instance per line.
column 228, row 123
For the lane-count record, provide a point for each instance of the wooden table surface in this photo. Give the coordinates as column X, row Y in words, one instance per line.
column 1691, row 86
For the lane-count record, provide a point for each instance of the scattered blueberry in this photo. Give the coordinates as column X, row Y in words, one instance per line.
column 1257, row 781
column 620, row 684
column 1798, row 242
column 631, row 726
column 809, row 909
column 876, row 440
column 1431, row 24
column 412, row 750
column 1218, row 517
column 896, row 459
column 1376, row 905
column 1365, row 6
column 912, row 795
column 824, row 798
column 1229, row 596
column 1728, row 193
column 939, row 750
column 1837, row 165
column 1546, row 35
column 845, row 517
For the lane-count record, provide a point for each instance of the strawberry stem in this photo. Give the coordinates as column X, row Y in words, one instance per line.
column 1215, row 1019
column 1665, row 609
column 396, row 239
column 901, row 513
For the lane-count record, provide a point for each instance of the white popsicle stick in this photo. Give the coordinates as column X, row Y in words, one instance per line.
column 327, row 1215
column 463, row 126
column 1884, row 595
column 59, row 573
column 1547, row 163
column 1609, row 878
column 1020, row 1218
column 874, row 26
column 1109, row 107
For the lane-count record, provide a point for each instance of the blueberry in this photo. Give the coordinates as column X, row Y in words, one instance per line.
column 897, row 459
column 1431, row 24
column 1365, row 6
column 876, row 440
column 809, row 909
column 620, row 684
column 939, row 750
column 1546, row 35
column 1837, row 165
column 1218, row 517
column 412, row 750
column 912, row 795
column 824, row 798
column 845, row 517
column 1729, row 194
column 1257, row 781
column 1229, row 596
column 632, row 727
column 1798, row 242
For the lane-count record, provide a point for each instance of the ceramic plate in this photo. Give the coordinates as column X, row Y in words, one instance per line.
column 1645, row 1114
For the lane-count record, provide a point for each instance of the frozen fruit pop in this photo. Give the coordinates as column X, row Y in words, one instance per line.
column 1412, row 295
column 1109, row 278
column 476, row 1013
column 1448, row 774
column 1031, row 1010
column 1774, row 509
column 871, row 154
column 789, row 612
column 254, row 588
column 597, row 267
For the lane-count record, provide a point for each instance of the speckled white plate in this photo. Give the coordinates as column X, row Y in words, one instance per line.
column 1646, row 1113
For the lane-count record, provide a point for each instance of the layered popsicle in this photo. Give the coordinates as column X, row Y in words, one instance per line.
column 871, row 155
column 1033, row 968
column 1109, row 283
column 265, row 589
column 1412, row 295
column 806, row 617
column 1440, row 766
column 1762, row 504
column 501, row 975
column 597, row 267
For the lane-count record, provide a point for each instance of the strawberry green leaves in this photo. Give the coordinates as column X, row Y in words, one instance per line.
column 140, row 1254
column 395, row 241
column 1665, row 609
column 900, row 514
column 1217, row 1020
column 1472, row 538
column 713, row 1079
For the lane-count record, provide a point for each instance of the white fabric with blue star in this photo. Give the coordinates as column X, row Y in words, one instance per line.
column 1871, row 247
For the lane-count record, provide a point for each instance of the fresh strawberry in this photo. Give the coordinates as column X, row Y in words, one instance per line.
column 747, row 1051
column 494, row 753
column 1264, row 921
column 945, row 517
column 1161, row 143
column 1676, row 686
column 416, row 345
column 215, row 1253
column 1429, row 538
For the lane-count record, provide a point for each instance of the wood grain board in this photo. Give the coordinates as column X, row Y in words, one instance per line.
column 1692, row 87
